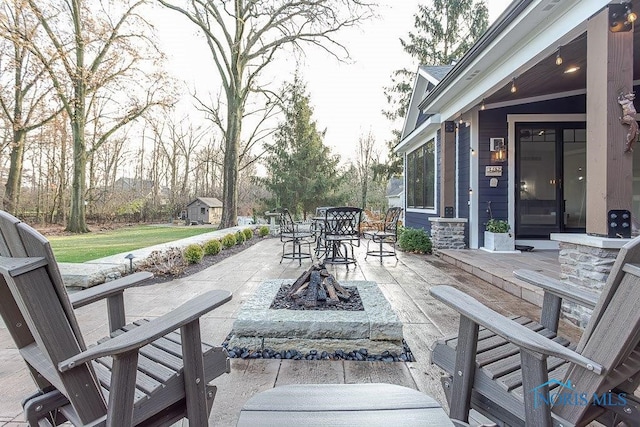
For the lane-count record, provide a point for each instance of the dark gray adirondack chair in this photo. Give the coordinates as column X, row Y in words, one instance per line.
column 506, row 368
column 146, row 373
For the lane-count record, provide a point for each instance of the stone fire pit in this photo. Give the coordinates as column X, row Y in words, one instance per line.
column 377, row 328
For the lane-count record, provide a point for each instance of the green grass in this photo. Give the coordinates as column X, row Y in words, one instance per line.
column 90, row 246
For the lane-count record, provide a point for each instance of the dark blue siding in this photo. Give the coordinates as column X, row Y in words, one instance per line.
column 493, row 124
column 418, row 220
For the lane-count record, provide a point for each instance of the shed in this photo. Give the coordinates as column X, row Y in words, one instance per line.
column 207, row 210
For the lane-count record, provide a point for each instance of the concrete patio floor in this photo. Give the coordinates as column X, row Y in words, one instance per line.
column 405, row 283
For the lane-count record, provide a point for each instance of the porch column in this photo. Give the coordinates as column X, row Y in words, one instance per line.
column 448, row 170
column 609, row 168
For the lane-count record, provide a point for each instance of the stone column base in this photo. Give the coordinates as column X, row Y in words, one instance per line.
column 448, row 233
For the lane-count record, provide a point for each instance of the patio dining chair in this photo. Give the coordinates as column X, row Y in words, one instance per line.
column 342, row 232
column 291, row 234
column 519, row 372
column 150, row 373
column 386, row 234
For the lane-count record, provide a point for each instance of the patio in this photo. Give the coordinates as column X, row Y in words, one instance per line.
column 405, row 283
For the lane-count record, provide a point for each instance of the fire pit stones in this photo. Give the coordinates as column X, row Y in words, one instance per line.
column 377, row 328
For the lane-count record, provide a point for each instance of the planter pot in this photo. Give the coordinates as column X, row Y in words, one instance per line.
column 499, row 242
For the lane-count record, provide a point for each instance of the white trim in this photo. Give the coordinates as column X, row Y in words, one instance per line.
column 424, row 132
column 436, row 184
column 512, row 119
column 473, row 180
column 423, row 211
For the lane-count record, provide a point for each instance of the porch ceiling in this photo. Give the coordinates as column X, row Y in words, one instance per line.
column 548, row 78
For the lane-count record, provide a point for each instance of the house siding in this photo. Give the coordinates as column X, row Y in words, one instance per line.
column 493, row 124
column 418, row 220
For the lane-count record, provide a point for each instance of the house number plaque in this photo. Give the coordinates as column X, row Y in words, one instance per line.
column 493, row 171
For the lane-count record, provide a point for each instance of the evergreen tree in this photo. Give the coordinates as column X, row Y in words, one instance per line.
column 443, row 33
column 301, row 171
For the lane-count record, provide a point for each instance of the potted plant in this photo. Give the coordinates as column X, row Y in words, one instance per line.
column 498, row 236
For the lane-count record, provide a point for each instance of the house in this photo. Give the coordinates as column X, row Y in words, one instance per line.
column 395, row 193
column 526, row 127
column 207, row 210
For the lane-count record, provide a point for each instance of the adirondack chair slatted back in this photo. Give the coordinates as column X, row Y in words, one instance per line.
column 614, row 343
column 54, row 338
column 612, row 337
column 36, row 309
column 18, row 239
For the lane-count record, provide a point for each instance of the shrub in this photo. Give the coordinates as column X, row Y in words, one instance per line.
column 193, row 253
column 162, row 263
column 212, row 247
column 229, row 241
column 248, row 233
column 240, row 238
column 414, row 240
column 498, row 226
column 263, row 231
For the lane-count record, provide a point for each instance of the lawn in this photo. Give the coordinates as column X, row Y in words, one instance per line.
column 90, row 246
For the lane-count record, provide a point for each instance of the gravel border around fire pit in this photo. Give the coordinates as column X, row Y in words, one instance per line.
column 359, row 355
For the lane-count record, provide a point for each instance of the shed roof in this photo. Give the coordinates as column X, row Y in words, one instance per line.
column 211, row 202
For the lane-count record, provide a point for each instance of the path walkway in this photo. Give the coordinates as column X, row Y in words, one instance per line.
column 405, row 283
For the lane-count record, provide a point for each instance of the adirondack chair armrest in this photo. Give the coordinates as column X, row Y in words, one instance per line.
column 514, row 332
column 558, row 288
column 151, row 331
column 107, row 289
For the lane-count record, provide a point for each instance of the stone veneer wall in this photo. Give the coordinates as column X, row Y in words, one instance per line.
column 448, row 233
column 587, row 267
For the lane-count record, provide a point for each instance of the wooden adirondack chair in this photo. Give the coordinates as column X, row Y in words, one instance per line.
column 145, row 373
column 507, row 368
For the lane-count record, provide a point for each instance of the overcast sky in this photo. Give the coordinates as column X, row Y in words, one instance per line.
column 347, row 97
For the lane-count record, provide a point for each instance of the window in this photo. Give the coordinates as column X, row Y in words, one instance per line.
column 421, row 177
column 202, row 211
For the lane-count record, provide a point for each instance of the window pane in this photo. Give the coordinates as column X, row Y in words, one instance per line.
column 430, row 175
column 419, row 179
column 411, row 172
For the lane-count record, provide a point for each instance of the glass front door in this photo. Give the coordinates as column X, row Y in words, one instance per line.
column 550, row 177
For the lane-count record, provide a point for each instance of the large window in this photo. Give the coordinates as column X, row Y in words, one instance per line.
column 421, row 177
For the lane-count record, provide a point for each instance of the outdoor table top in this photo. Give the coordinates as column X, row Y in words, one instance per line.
column 341, row 405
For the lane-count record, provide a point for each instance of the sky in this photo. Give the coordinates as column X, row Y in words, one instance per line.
column 347, row 97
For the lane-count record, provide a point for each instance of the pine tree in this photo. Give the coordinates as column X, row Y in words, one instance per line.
column 301, row 171
column 443, row 33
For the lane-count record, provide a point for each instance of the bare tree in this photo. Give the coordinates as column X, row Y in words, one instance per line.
column 244, row 37
column 24, row 95
column 366, row 157
column 90, row 51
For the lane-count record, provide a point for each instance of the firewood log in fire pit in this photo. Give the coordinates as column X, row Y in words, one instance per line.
column 317, row 285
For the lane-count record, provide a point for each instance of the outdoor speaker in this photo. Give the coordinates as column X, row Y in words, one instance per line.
column 619, row 224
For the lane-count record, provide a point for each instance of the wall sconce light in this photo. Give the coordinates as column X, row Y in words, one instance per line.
column 513, row 86
column 621, row 17
column 473, row 152
column 498, row 150
column 558, row 58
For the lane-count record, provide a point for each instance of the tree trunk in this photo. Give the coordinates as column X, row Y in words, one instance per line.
column 77, row 217
column 232, row 142
column 14, row 180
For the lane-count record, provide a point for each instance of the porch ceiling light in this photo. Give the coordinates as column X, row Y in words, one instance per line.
column 514, row 89
column 558, row 58
column 572, row 69
column 482, row 106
